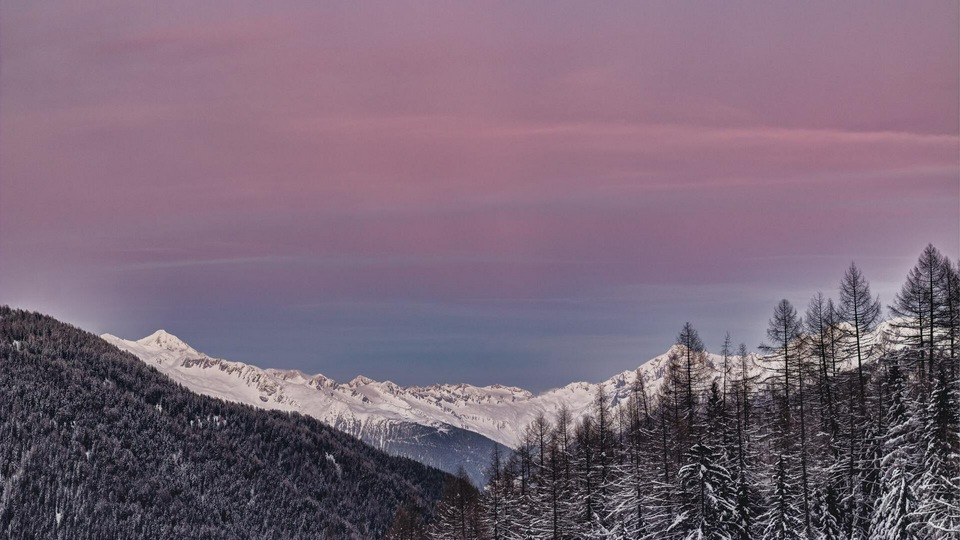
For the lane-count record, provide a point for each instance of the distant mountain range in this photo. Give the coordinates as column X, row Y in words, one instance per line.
column 443, row 425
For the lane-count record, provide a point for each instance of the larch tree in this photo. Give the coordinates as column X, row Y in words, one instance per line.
column 493, row 511
column 860, row 311
column 919, row 308
column 726, row 354
column 783, row 355
column 895, row 514
column 785, row 332
column 694, row 357
column 951, row 316
column 817, row 329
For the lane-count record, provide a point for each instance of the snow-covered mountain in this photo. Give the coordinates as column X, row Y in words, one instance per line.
column 361, row 406
column 444, row 425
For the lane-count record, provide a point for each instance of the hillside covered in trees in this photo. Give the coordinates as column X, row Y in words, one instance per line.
column 841, row 429
column 95, row 444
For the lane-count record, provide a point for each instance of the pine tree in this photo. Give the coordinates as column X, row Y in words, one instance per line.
column 826, row 514
column 555, row 482
column 585, row 458
column 782, row 521
column 407, row 525
column 748, row 503
column 939, row 486
column 457, row 516
column 894, row 515
column 748, row 499
column 709, row 506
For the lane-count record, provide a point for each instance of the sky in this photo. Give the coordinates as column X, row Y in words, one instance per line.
column 527, row 193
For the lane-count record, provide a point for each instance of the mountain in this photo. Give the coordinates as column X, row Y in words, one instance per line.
column 400, row 421
column 443, row 425
column 96, row 444
column 365, row 407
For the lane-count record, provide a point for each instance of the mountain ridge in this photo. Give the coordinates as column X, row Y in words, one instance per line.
column 444, row 425
column 96, row 444
column 497, row 411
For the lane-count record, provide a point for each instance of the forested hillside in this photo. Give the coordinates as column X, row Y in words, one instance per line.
column 840, row 430
column 95, row 444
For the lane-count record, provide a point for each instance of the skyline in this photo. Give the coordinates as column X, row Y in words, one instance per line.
column 436, row 193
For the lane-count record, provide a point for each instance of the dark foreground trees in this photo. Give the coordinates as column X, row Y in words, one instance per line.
column 95, row 444
column 846, row 428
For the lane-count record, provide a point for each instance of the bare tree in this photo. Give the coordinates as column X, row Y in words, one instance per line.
column 860, row 312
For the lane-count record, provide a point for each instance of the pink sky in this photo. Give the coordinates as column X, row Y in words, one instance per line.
column 403, row 189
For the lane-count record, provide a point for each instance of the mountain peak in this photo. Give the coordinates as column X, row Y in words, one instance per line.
column 164, row 340
column 360, row 380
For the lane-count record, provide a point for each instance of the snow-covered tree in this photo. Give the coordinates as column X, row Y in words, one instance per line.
column 860, row 312
column 709, row 505
column 784, row 519
column 938, row 490
column 895, row 514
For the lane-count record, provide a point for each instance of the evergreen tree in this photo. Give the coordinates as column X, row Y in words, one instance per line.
column 96, row 444
column 748, row 504
column 783, row 521
column 457, row 516
column 939, row 486
column 827, row 514
column 894, row 515
column 407, row 525
column 709, row 508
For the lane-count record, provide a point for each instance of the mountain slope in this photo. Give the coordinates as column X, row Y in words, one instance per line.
column 369, row 409
column 391, row 418
column 94, row 444
column 445, row 425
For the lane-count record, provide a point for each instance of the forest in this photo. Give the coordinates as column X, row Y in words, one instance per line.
column 96, row 444
column 846, row 425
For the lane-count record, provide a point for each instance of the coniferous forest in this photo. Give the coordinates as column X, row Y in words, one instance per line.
column 480, row 270
column 96, row 444
column 845, row 426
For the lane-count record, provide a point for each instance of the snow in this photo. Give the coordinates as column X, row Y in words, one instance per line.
column 497, row 412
